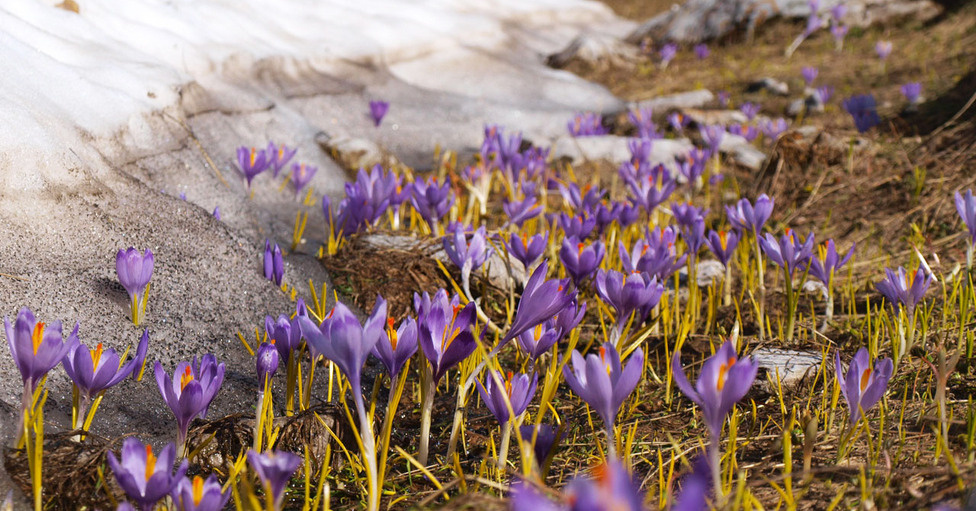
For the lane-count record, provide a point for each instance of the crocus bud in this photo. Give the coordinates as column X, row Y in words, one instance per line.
column 267, row 362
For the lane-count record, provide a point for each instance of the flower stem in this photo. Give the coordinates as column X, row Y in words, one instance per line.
column 503, row 448
column 426, row 408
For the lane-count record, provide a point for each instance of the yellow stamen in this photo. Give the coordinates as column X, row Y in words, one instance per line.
column 508, row 385
column 150, row 462
column 38, row 335
column 254, row 155
column 96, row 355
column 186, row 378
column 538, row 332
column 579, row 249
column 723, row 237
column 197, row 490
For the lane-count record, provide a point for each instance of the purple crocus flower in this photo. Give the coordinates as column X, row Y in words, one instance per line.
column 864, row 111
column 377, row 110
column 701, row 51
column 266, row 362
column 134, row 270
column 517, row 390
column 274, row 265
column 541, row 300
column 199, row 494
column 443, row 330
column 634, row 292
column 611, row 488
column 279, row 156
column 692, row 167
column 824, row 93
column 723, row 98
column 301, row 175
column 773, row 128
column 827, row 261
column 275, row 469
column 586, row 124
column 216, row 212
column 189, row 396
column 285, row 334
column 713, row 136
column 654, row 255
column 36, row 347
column 751, row 110
column 839, row 32
column 344, row 341
column 667, row 54
column 649, row 187
column 251, row 163
column 465, row 254
column 966, row 207
column 519, row 211
column 431, row 200
column 576, row 226
column 534, row 342
column 863, row 385
column 678, row 121
column 722, row 244
column 396, row 346
column 904, row 289
column 695, row 487
column 912, row 91
column 580, row 259
column 643, row 121
column 838, row 11
column 527, row 250
column 723, row 381
column 143, row 477
column 580, row 199
column 809, row 74
column 544, row 439
column 788, row 252
column 883, row 49
column 95, row 370
column 603, row 383
column 747, row 132
column 746, row 217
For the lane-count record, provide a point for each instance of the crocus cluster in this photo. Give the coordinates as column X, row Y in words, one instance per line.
column 189, row 392
column 586, row 124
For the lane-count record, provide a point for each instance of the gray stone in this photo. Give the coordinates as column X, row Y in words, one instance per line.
column 715, row 117
column 742, row 152
column 770, row 85
column 691, row 99
column 704, row 20
column 616, row 149
column 791, row 366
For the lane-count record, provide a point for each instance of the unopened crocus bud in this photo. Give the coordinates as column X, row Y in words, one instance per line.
column 267, row 362
column 377, row 110
column 274, row 266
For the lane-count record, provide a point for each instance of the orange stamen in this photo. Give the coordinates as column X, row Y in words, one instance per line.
column 391, row 333
column 197, row 490
column 186, row 378
column 96, row 355
column 865, row 376
column 253, row 156
column 723, row 237
column 150, row 462
column 38, row 336
column 723, row 372
column 579, row 248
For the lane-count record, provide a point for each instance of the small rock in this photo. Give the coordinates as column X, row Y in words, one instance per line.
column 498, row 273
column 597, row 50
column 771, row 85
column 792, row 366
column 616, row 149
column 351, row 153
column 742, row 152
column 715, row 117
column 811, row 103
column 690, row 99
